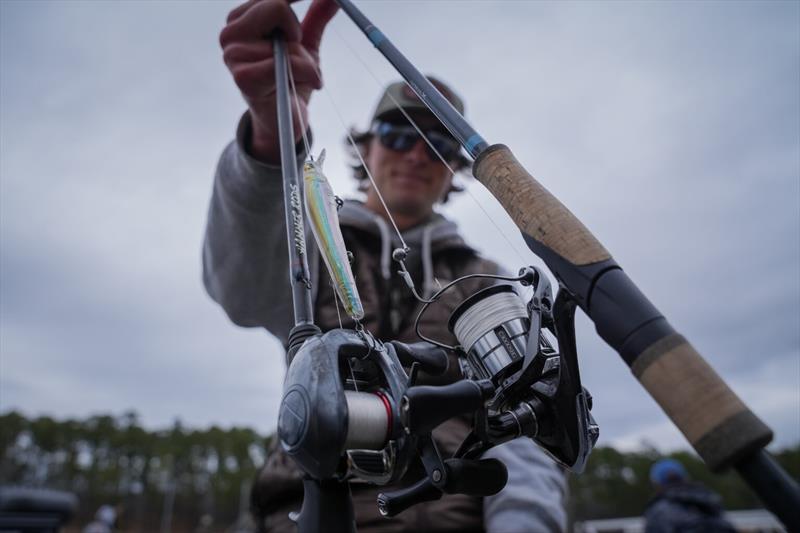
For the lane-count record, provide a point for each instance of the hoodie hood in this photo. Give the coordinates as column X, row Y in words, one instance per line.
column 432, row 236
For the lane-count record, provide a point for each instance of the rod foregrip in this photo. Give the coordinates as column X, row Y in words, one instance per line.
column 714, row 420
column 534, row 209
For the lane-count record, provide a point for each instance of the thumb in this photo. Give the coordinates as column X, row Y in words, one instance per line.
column 319, row 13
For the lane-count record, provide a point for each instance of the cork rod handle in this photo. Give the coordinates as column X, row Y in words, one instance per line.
column 535, row 211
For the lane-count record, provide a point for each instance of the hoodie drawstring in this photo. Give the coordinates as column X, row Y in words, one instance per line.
column 427, row 262
column 386, row 247
column 428, row 285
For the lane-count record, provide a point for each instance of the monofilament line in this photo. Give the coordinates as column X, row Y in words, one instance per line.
column 297, row 107
column 428, row 142
column 336, row 301
column 308, row 153
column 361, row 159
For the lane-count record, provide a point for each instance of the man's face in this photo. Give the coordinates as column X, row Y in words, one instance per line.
column 411, row 180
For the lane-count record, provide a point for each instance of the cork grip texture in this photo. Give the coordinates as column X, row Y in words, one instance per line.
column 699, row 402
column 535, row 211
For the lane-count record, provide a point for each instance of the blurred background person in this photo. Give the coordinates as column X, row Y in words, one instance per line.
column 105, row 520
column 681, row 504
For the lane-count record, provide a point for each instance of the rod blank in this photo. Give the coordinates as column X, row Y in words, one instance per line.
column 299, row 277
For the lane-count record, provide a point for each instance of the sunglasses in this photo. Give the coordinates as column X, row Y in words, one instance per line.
column 403, row 138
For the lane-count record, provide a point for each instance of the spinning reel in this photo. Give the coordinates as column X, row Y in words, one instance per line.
column 350, row 411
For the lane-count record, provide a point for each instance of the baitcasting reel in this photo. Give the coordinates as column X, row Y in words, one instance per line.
column 351, row 411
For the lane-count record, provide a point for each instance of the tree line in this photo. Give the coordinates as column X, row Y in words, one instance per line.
column 177, row 475
column 181, row 476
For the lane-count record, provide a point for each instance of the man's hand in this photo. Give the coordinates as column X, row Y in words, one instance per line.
column 246, row 42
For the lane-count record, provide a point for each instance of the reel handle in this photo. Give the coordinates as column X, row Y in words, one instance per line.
column 431, row 358
column 426, row 406
column 395, row 502
column 483, row 477
column 464, row 476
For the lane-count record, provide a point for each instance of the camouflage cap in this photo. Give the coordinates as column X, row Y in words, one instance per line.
column 400, row 93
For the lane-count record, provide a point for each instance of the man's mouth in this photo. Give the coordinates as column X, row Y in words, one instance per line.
column 410, row 178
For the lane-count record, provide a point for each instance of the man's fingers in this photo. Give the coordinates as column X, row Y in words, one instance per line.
column 250, row 56
column 253, row 70
column 319, row 13
column 239, row 10
column 260, row 20
column 305, row 69
column 256, row 79
column 247, row 52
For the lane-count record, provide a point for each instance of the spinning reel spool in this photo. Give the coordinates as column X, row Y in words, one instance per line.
column 492, row 328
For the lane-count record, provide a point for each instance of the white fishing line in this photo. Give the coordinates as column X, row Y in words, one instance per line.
column 336, row 301
column 297, row 106
column 486, row 315
column 361, row 158
column 429, row 143
column 352, row 374
column 367, row 421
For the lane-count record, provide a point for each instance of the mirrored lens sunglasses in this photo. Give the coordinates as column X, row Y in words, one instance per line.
column 403, row 138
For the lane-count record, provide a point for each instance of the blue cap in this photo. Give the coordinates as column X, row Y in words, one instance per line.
column 666, row 471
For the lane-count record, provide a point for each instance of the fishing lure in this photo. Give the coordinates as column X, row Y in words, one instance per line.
column 321, row 208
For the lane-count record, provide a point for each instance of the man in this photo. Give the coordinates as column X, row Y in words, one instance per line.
column 104, row 520
column 680, row 505
column 246, row 265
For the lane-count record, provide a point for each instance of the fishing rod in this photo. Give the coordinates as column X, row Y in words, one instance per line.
column 299, row 275
column 715, row 421
column 323, row 498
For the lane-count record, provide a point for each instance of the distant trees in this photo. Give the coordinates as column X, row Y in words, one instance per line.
column 179, row 475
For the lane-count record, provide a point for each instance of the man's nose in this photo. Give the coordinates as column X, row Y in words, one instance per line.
column 419, row 152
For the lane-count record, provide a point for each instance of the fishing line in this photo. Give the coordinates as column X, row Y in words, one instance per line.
column 308, row 154
column 398, row 255
column 352, row 373
column 336, row 297
column 427, row 141
column 299, row 114
column 360, row 158
column 336, row 301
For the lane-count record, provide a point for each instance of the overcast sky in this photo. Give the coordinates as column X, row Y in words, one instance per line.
column 671, row 129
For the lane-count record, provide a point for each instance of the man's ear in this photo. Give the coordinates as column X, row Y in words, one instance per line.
column 363, row 150
column 364, row 147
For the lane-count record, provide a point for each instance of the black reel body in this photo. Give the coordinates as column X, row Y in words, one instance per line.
column 338, row 417
column 351, row 411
